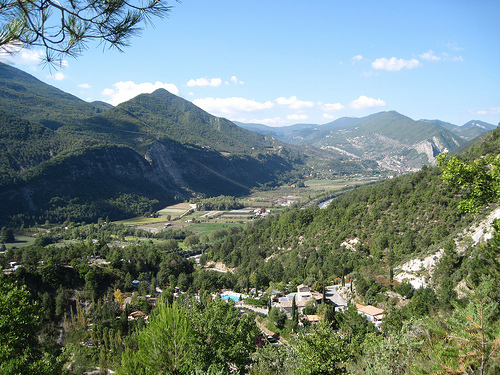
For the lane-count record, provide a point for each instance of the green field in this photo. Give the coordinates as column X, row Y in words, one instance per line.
column 201, row 222
column 206, row 228
column 140, row 220
column 21, row 241
column 327, row 184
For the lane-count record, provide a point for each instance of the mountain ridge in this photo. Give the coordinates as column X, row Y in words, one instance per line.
column 89, row 159
column 20, row 92
column 395, row 141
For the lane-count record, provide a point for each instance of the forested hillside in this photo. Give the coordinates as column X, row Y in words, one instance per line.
column 25, row 96
column 380, row 225
column 150, row 117
column 63, row 158
column 24, row 145
column 388, row 222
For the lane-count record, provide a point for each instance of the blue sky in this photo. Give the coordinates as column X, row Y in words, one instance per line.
column 284, row 62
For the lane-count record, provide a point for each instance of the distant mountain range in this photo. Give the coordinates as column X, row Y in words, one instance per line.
column 394, row 141
column 66, row 159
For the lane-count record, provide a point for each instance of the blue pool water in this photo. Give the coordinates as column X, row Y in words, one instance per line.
column 229, row 296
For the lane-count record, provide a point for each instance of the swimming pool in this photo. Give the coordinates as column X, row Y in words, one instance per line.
column 230, row 296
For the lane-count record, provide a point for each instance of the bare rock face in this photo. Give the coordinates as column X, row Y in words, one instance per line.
column 432, row 148
column 161, row 159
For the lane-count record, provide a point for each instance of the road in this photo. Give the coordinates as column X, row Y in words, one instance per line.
column 332, row 293
column 260, row 310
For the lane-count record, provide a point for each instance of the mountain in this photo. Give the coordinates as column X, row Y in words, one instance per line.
column 468, row 131
column 65, row 158
column 21, row 93
column 162, row 114
column 395, row 142
column 279, row 132
column 474, row 128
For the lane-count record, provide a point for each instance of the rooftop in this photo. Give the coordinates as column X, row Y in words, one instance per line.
column 369, row 310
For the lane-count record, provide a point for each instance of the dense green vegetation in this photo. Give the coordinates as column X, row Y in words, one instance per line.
column 389, row 220
column 82, row 161
column 24, row 95
column 220, row 203
column 163, row 114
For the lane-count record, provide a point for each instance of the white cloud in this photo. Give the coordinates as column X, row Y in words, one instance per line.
column 454, row 47
column 293, row 103
column 447, row 57
column 18, row 55
column 330, row 117
column 213, row 82
column 124, row 91
column 296, row 117
column 84, row 86
column 483, row 112
column 236, row 81
column 366, row 102
column 333, row 107
column 231, row 105
column 29, row 57
column 356, row 58
column 58, row 76
column 430, row 56
column 394, row 64
column 274, row 121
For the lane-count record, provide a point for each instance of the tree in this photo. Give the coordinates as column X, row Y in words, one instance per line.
column 19, row 350
column 396, row 355
column 274, row 360
column 7, row 235
column 329, row 316
column 231, row 337
column 91, row 284
column 295, row 313
column 405, row 289
column 310, row 307
column 354, row 326
column 191, row 240
column 448, row 261
column 322, row 351
column 446, row 292
column 119, row 298
column 479, row 179
column 277, row 317
column 62, row 300
column 170, row 245
column 65, row 27
column 468, row 341
column 164, row 346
